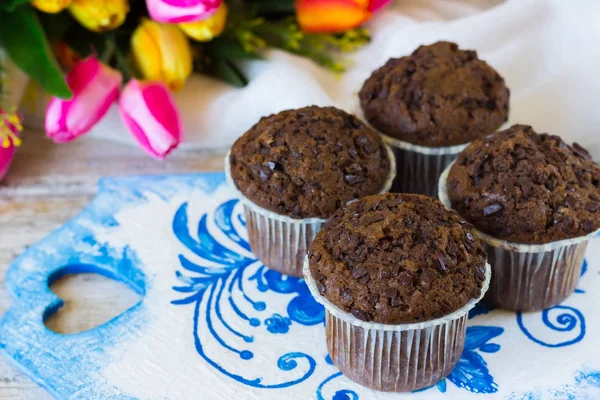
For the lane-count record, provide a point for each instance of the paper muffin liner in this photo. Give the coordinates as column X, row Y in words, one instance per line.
column 279, row 241
column 528, row 277
column 394, row 358
column 419, row 167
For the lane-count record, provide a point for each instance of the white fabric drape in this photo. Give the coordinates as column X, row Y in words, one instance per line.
column 547, row 50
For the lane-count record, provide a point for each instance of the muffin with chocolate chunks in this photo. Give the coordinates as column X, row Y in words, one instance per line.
column 400, row 263
column 297, row 167
column 429, row 102
column 525, row 187
column 528, row 193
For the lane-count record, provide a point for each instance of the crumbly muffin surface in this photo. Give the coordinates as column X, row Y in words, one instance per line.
column 526, row 187
column 397, row 258
column 437, row 96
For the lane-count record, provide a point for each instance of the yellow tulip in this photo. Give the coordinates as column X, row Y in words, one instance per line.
column 51, row 6
column 162, row 52
column 99, row 15
column 207, row 29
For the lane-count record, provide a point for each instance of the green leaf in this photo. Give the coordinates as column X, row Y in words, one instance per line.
column 10, row 5
column 23, row 39
column 230, row 49
column 226, row 70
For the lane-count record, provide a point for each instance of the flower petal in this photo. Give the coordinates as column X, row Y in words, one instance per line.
column 326, row 16
column 375, row 5
column 175, row 11
column 149, row 112
column 95, row 87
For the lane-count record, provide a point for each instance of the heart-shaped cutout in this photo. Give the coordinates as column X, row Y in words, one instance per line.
column 92, row 296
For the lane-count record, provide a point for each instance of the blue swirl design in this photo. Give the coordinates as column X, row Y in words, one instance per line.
column 344, row 394
column 471, row 372
column 219, row 281
column 569, row 320
column 228, row 275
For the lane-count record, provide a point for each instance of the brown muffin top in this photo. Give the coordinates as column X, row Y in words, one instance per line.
column 397, row 258
column 309, row 162
column 525, row 187
column 438, row 96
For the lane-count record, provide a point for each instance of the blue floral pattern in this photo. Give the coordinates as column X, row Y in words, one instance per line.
column 219, row 280
column 227, row 277
column 278, row 324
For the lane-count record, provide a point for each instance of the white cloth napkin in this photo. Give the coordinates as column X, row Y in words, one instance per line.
column 547, row 50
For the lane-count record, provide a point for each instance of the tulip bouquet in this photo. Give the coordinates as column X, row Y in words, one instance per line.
column 90, row 54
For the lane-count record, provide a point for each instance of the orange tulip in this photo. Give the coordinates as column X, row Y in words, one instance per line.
column 330, row 16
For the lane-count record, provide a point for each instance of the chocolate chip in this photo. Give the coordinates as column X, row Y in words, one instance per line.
column 480, row 273
column 452, row 248
column 396, row 301
column 441, row 263
column 360, row 314
column 570, row 201
column 359, row 272
column 373, row 299
column 321, row 287
column 567, row 224
column 395, row 270
column 372, row 218
column 393, row 202
column 592, row 206
column 405, row 279
column 425, row 279
column 492, row 209
column 391, row 293
column 347, row 296
column 264, row 174
column 446, row 306
column 587, row 226
column 550, row 185
column 272, row 165
column 468, row 242
column 385, row 274
column 365, row 279
column 581, row 152
column 354, row 179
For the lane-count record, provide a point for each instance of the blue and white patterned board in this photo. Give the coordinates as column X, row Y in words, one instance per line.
column 214, row 323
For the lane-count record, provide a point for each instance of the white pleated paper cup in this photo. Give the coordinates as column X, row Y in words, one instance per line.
column 394, row 358
column 281, row 242
column 528, row 277
column 419, row 167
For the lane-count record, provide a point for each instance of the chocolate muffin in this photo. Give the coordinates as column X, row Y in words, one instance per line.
column 397, row 258
column 308, row 162
column 438, row 96
column 525, row 187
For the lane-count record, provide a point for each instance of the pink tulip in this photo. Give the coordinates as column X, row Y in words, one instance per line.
column 375, row 5
column 175, row 11
column 10, row 125
column 95, row 87
column 149, row 113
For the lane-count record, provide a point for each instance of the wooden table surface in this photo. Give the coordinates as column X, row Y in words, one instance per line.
column 47, row 185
